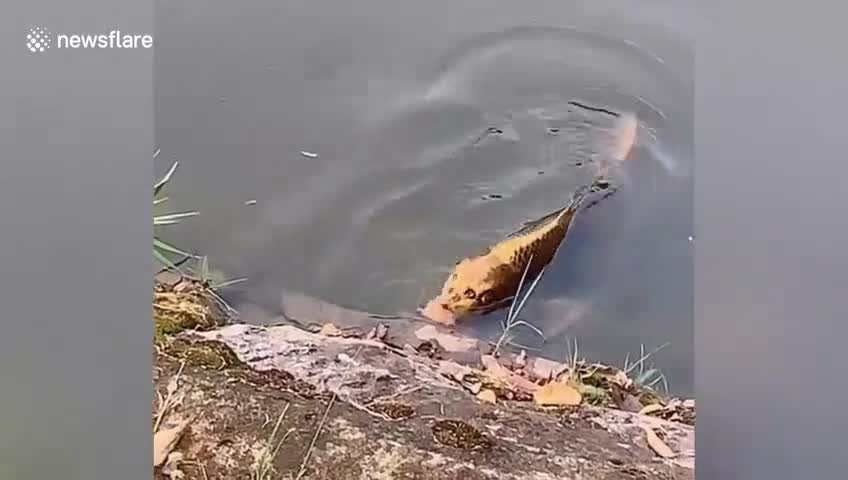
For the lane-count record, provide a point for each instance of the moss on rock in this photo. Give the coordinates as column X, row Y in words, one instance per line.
column 185, row 305
column 203, row 353
column 457, row 434
column 592, row 394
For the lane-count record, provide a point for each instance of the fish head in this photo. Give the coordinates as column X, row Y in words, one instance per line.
column 476, row 286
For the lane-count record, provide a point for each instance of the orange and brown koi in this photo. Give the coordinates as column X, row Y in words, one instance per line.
column 488, row 282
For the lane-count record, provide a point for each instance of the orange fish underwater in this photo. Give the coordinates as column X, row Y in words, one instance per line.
column 488, row 282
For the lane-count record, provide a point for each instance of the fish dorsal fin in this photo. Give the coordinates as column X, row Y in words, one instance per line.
column 533, row 225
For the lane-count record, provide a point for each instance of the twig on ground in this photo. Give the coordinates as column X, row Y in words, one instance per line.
column 367, row 410
column 399, row 393
column 200, row 467
column 171, row 389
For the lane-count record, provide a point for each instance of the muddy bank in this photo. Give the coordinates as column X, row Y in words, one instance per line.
column 382, row 411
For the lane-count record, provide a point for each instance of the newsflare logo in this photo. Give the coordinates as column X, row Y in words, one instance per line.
column 40, row 40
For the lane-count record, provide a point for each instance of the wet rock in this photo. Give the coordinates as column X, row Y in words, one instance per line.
column 393, row 415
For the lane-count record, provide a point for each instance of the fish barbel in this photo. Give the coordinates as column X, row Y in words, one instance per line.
column 488, row 282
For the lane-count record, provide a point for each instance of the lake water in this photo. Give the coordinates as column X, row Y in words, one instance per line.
column 439, row 127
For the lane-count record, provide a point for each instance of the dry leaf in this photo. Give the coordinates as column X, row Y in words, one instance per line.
column 557, row 394
column 522, row 383
column 656, row 444
column 544, row 368
column 492, row 366
column 521, row 359
column 649, row 409
column 171, row 469
column 380, row 332
column 453, row 370
column 330, row 330
column 487, row 396
column 165, row 440
column 622, row 380
column 499, row 372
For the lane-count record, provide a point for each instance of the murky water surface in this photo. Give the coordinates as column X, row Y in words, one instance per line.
column 439, row 127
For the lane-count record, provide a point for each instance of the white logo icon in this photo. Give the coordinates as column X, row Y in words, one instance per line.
column 38, row 40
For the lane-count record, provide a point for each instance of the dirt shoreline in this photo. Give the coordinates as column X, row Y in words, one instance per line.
column 391, row 402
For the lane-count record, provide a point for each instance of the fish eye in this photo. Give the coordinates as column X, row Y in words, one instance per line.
column 470, row 293
column 486, row 296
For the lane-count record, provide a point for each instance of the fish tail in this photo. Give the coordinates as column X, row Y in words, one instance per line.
column 579, row 197
column 626, row 136
column 624, row 140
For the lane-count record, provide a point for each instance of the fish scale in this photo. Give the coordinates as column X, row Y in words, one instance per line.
column 540, row 239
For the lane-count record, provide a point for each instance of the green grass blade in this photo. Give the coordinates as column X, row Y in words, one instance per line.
column 529, row 293
column 641, row 361
column 229, row 283
column 164, row 181
column 162, row 223
column 204, row 268
column 171, row 218
column 509, row 315
column 531, row 327
column 164, row 260
column 163, row 246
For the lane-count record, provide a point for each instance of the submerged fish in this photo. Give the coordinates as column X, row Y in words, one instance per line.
column 488, row 282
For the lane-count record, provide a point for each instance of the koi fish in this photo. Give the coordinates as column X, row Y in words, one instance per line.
column 488, row 282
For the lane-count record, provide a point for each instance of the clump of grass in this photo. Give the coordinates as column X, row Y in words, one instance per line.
column 193, row 301
column 264, row 466
column 210, row 278
column 512, row 321
column 572, row 361
column 162, row 250
column 183, row 306
column 643, row 374
column 602, row 384
column 212, row 282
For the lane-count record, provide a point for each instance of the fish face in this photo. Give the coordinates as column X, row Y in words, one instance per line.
column 476, row 286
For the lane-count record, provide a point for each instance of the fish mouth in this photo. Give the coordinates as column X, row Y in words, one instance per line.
column 492, row 307
column 438, row 311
